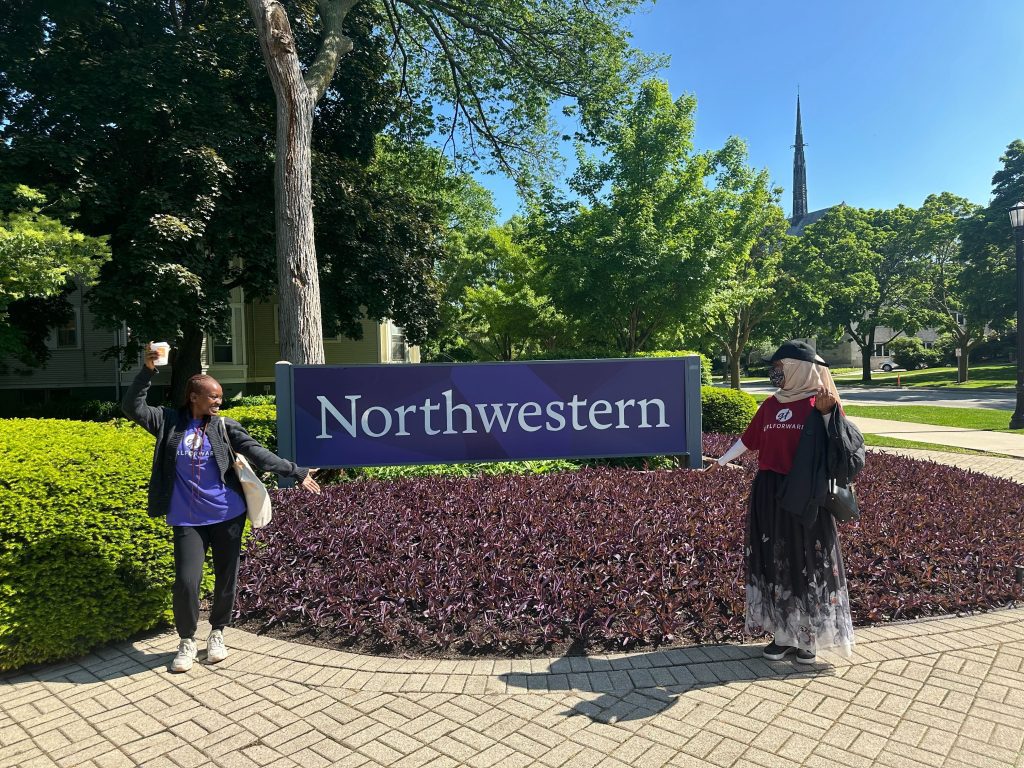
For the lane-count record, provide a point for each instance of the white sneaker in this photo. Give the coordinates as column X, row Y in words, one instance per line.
column 187, row 651
column 215, row 648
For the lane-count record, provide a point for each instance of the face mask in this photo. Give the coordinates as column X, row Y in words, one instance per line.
column 777, row 376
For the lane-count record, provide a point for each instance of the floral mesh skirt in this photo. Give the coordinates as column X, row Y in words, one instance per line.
column 796, row 585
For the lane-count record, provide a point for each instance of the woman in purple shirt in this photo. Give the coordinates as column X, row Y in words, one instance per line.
column 194, row 486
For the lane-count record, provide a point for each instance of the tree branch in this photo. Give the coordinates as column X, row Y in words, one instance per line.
column 333, row 46
column 397, row 30
column 479, row 122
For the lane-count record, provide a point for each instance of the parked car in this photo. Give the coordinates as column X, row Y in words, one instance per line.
column 886, row 364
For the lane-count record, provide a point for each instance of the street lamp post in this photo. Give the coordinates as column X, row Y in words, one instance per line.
column 1017, row 222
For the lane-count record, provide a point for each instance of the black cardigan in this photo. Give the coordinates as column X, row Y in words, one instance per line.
column 835, row 451
column 168, row 425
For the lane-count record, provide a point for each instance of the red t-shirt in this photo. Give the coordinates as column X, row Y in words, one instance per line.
column 775, row 432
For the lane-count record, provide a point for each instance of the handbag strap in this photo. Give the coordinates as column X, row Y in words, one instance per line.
column 227, row 440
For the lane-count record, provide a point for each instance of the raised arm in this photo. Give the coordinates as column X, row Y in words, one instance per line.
column 134, row 403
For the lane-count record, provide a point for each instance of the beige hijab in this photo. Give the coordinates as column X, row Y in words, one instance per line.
column 803, row 379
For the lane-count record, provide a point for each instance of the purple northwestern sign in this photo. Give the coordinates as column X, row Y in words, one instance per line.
column 368, row 415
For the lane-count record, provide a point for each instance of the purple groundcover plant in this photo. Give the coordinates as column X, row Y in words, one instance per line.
column 604, row 558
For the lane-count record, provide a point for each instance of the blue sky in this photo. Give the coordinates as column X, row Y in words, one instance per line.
column 900, row 98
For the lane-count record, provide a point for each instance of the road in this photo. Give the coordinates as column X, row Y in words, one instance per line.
column 1003, row 400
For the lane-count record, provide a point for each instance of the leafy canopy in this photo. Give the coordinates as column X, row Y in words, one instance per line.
column 656, row 226
column 858, row 269
column 40, row 258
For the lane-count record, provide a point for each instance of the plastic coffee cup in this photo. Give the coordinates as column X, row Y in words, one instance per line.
column 163, row 350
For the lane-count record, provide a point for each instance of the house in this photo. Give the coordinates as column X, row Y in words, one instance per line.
column 243, row 362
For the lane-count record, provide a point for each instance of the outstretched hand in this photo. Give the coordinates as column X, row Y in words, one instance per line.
column 309, row 483
column 715, row 466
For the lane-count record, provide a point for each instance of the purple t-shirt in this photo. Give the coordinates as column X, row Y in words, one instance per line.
column 200, row 496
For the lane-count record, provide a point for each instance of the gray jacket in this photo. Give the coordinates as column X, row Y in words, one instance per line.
column 168, row 425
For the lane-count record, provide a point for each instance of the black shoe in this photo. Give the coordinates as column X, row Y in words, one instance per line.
column 776, row 652
column 805, row 657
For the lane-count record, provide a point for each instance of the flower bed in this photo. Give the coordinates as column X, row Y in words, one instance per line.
column 604, row 558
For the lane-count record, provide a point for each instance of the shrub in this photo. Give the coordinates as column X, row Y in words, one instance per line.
column 249, row 400
column 69, row 408
column 497, row 562
column 81, row 563
column 726, row 410
column 472, row 469
column 260, row 421
column 909, row 352
column 605, row 558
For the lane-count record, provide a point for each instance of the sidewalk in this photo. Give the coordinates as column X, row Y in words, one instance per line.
column 941, row 692
column 978, row 439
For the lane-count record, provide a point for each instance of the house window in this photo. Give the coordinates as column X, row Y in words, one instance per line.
column 958, row 317
column 399, row 350
column 66, row 336
column 881, row 350
column 223, row 349
column 929, row 344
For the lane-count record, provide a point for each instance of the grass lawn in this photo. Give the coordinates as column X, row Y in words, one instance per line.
column 981, row 377
column 879, row 441
column 967, row 418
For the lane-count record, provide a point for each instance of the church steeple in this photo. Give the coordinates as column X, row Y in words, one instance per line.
column 799, row 172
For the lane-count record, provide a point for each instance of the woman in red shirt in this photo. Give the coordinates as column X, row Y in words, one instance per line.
column 796, row 584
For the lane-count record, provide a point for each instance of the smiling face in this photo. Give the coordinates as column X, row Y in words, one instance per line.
column 206, row 398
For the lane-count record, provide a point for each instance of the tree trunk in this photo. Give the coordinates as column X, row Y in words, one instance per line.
column 734, row 368
column 301, row 329
column 187, row 362
column 865, row 355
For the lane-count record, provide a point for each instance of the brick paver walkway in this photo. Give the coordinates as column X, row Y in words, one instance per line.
column 944, row 692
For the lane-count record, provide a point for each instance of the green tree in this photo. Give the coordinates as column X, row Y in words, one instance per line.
column 857, row 270
column 750, row 306
column 40, row 257
column 987, row 249
column 937, row 226
column 153, row 122
column 655, row 230
column 505, row 315
column 498, row 66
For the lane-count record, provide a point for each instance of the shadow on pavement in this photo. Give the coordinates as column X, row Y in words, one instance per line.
column 108, row 663
column 647, row 684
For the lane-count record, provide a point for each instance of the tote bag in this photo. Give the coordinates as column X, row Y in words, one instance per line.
column 257, row 500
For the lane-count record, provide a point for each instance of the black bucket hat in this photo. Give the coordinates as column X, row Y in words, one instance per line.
column 796, row 350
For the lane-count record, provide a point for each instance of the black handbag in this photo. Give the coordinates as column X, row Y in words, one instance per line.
column 842, row 502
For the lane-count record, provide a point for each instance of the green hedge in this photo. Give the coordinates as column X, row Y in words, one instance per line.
column 70, row 408
column 81, row 563
column 250, row 400
column 726, row 410
column 260, row 421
